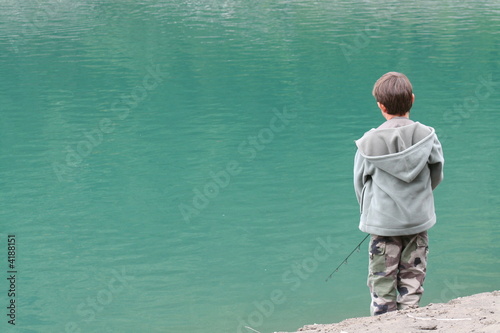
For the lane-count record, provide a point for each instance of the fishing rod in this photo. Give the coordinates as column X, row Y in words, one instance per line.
column 345, row 260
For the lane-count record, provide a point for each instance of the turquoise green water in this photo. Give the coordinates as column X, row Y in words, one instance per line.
column 185, row 166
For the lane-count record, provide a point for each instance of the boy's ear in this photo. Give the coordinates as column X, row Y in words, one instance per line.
column 382, row 107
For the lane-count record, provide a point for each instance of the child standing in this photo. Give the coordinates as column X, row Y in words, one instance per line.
column 396, row 168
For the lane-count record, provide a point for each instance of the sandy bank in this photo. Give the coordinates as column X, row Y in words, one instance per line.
column 478, row 313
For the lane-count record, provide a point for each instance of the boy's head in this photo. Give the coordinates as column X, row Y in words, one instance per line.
column 394, row 91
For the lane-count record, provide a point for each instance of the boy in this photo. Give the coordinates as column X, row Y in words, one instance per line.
column 396, row 168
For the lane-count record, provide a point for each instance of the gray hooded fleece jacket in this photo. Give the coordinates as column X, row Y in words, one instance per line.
column 396, row 168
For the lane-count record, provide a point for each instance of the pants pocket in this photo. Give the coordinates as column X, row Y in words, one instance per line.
column 422, row 240
column 422, row 250
column 377, row 256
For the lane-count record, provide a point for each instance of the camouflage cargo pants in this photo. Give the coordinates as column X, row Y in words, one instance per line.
column 397, row 269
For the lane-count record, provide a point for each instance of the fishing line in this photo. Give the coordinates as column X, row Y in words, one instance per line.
column 357, row 248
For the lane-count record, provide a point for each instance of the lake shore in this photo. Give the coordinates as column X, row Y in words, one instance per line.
column 477, row 313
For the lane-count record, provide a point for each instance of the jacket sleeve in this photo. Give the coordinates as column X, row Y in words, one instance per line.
column 436, row 163
column 359, row 170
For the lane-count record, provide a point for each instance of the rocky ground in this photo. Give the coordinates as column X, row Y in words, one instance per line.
column 478, row 313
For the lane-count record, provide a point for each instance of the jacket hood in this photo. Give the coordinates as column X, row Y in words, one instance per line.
column 402, row 151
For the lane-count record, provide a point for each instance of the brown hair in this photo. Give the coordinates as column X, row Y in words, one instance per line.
column 394, row 91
